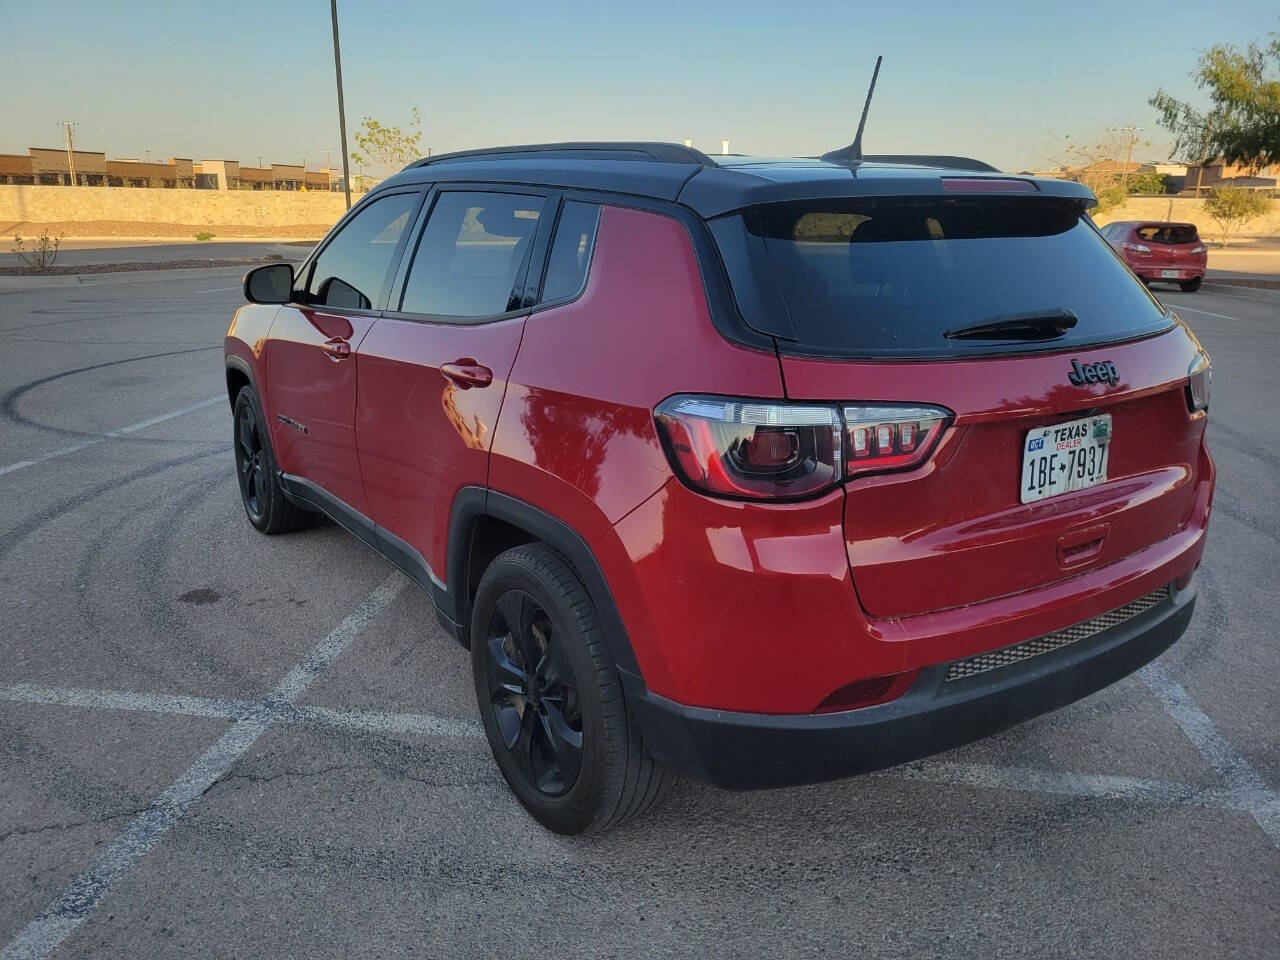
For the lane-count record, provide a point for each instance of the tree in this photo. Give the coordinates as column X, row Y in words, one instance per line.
column 387, row 148
column 1099, row 163
column 1242, row 123
column 1147, row 183
column 1232, row 207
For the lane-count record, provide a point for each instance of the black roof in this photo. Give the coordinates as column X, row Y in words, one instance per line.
column 711, row 186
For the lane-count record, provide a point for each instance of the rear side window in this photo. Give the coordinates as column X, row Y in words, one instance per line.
column 571, row 250
column 1167, row 233
column 474, row 249
column 888, row 277
column 350, row 271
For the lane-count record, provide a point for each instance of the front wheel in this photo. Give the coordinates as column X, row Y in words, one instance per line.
column 1190, row 286
column 550, row 698
column 260, row 490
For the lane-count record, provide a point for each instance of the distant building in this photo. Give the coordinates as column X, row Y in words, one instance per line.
column 1217, row 173
column 52, row 167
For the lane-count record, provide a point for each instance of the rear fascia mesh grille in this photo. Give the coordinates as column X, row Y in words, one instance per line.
column 1054, row 641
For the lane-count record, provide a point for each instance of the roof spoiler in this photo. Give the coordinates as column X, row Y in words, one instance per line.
column 932, row 160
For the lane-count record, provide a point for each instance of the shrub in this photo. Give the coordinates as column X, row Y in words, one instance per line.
column 42, row 256
column 1232, row 207
column 204, row 235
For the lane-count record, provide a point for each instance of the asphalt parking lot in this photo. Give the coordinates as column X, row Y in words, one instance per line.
column 214, row 743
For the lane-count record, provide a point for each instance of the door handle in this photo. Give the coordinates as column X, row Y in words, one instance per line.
column 337, row 348
column 466, row 373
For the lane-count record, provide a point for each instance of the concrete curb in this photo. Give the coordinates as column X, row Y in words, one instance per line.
column 1259, row 294
column 18, row 284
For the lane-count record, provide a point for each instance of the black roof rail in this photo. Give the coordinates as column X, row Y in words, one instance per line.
column 931, row 160
column 585, row 150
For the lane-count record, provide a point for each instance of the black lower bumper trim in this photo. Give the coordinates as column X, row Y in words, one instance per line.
column 744, row 751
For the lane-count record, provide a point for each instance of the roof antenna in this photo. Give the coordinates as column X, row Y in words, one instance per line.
column 852, row 154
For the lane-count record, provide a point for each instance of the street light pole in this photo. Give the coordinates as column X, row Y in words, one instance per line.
column 342, row 113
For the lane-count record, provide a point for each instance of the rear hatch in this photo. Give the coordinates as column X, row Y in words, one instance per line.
column 1014, row 318
column 1170, row 245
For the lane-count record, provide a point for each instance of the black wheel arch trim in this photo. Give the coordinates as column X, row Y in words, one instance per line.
column 471, row 503
column 240, row 365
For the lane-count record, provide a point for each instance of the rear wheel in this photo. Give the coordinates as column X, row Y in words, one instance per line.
column 1190, row 286
column 550, row 698
column 260, row 490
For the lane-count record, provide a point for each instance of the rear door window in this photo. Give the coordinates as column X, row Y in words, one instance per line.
column 472, row 254
column 571, row 251
column 350, row 271
column 888, row 277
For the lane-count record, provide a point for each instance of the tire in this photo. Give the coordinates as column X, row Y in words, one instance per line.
column 545, row 677
column 1190, row 286
column 260, row 491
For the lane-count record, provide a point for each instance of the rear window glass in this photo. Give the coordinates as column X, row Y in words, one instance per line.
column 889, row 276
column 1167, row 233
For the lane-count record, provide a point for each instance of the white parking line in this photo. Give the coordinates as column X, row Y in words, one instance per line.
column 1236, row 795
column 337, row 718
column 220, row 289
column 1220, row 316
column 1261, row 801
column 113, row 435
column 44, row 934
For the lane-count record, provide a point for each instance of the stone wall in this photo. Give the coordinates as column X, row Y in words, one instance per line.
column 1188, row 210
column 140, row 212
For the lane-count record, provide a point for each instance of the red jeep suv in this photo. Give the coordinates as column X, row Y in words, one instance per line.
column 764, row 471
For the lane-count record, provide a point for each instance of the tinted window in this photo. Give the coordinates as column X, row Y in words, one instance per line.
column 1167, row 233
column 472, row 251
column 889, row 276
column 571, row 250
column 350, row 271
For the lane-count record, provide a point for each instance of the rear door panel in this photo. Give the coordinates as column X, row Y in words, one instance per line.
column 954, row 532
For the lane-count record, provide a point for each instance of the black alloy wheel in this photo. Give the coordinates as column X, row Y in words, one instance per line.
column 534, row 694
column 250, row 462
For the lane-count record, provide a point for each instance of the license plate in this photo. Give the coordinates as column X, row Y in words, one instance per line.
column 1169, row 273
column 1065, row 457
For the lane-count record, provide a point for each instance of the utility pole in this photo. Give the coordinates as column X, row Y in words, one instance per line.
column 71, row 153
column 1128, row 158
column 342, row 112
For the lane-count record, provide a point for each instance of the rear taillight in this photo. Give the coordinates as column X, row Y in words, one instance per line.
column 891, row 437
column 1200, row 249
column 1199, row 377
column 765, row 450
column 1137, row 247
column 753, row 449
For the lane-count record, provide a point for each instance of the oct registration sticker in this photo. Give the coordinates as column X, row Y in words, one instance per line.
column 1065, row 457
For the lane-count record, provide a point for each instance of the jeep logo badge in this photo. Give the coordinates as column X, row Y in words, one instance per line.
column 1104, row 371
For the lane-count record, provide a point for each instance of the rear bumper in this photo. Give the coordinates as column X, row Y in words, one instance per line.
column 750, row 751
column 1183, row 271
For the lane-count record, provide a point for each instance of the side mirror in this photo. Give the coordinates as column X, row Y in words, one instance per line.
column 270, row 284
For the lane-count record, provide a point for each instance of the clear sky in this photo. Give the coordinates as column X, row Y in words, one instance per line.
column 239, row 80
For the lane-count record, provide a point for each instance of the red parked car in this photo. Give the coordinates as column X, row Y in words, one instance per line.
column 1164, row 252
column 761, row 471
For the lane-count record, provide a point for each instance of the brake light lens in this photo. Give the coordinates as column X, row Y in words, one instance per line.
column 1199, row 378
column 752, row 449
column 1200, row 248
column 891, row 436
column 764, row 450
column 1137, row 248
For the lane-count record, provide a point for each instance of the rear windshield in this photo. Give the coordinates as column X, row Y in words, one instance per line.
column 875, row 277
column 1167, row 233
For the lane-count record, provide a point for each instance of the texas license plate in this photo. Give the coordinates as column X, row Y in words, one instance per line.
column 1169, row 273
column 1065, row 457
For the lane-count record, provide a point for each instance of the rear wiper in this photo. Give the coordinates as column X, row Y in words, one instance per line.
column 1037, row 325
